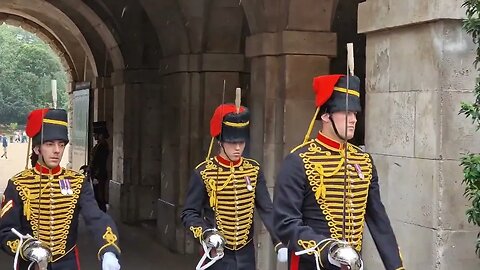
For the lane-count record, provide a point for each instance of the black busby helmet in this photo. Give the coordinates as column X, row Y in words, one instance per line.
column 47, row 125
column 331, row 93
column 337, row 100
column 230, row 123
column 100, row 127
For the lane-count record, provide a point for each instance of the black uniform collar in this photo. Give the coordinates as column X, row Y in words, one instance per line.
column 40, row 169
column 329, row 143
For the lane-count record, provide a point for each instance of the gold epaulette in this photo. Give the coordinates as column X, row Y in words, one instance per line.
column 358, row 149
column 301, row 145
column 74, row 174
column 255, row 163
column 22, row 174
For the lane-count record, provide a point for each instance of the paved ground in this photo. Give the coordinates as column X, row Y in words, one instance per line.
column 140, row 251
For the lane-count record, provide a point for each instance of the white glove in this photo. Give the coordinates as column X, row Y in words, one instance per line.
column 215, row 240
column 110, row 262
column 282, row 255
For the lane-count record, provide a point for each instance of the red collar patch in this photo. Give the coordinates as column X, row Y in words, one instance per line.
column 40, row 169
column 329, row 142
column 228, row 163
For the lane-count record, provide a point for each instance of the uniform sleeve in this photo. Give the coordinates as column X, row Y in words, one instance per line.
column 10, row 217
column 100, row 224
column 288, row 199
column 380, row 228
column 195, row 201
column 264, row 206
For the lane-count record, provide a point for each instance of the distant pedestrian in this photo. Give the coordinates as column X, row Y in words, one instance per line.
column 5, row 146
column 24, row 137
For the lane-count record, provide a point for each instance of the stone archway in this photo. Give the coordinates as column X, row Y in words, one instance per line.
column 73, row 30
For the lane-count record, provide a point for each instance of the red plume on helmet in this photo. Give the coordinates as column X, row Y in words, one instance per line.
column 323, row 87
column 219, row 114
column 34, row 122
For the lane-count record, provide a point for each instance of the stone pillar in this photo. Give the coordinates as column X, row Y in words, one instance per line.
column 192, row 87
column 283, row 65
column 103, row 100
column 137, row 128
column 419, row 69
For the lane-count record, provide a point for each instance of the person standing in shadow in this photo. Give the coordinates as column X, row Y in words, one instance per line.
column 98, row 164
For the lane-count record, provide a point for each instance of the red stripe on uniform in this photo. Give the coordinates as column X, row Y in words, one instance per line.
column 294, row 262
column 77, row 258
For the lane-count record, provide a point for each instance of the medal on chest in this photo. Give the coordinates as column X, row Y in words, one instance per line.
column 359, row 171
column 65, row 187
column 249, row 183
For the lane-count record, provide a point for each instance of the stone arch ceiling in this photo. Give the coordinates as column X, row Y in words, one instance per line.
column 61, row 20
column 93, row 29
column 169, row 25
column 197, row 26
column 277, row 15
column 129, row 23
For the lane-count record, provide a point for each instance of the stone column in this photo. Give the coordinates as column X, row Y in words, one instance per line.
column 137, row 128
column 192, row 87
column 103, row 100
column 419, row 69
column 283, row 65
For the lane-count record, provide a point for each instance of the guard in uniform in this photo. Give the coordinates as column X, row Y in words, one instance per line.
column 309, row 193
column 223, row 192
column 45, row 202
column 98, row 164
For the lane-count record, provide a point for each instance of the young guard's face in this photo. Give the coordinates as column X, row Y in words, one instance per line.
column 339, row 118
column 50, row 153
column 232, row 150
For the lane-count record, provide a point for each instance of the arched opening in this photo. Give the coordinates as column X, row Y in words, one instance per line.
column 88, row 51
column 32, row 75
column 82, row 61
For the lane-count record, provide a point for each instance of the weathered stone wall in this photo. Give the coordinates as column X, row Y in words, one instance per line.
column 419, row 69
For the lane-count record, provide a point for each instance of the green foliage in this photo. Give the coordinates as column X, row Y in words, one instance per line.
column 471, row 162
column 13, row 126
column 27, row 66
